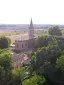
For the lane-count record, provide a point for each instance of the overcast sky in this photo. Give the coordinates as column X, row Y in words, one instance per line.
column 41, row 11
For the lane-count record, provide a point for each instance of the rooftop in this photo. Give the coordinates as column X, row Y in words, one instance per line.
column 19, row 56
column 23, row 37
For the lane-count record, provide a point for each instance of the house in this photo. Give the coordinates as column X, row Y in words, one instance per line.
column 20, row 59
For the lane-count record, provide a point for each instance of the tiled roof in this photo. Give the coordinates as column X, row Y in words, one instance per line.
column 22, row 38
column 19, row 56
column 16, row 57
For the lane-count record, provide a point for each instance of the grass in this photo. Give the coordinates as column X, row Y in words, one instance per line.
column 6, row 33
column 10, row 34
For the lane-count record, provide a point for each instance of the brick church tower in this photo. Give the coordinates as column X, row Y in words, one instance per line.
column 31, row 41
column 31, row 30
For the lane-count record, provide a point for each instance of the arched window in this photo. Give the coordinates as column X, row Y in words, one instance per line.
column 22, row 45
column 17, row 45
column 26, row 44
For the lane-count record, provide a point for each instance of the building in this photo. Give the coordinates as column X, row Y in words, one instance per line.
column 19, row 60
column 26, row 42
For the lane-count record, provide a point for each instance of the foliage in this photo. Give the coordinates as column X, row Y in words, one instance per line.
column 6, row 75
column 4, row 42
column 34, row 80
column 50, row 53
column 61, row 43
column 45, row 40
column 60, row 62
column 21, row 72
column 5, row 59
column 55, row 31
column 44, row 63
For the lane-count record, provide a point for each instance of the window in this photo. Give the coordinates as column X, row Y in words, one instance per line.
column 17, row 45
column 22, row 45
column 26, row 44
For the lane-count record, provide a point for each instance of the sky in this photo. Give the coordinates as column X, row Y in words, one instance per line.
column 41, row 11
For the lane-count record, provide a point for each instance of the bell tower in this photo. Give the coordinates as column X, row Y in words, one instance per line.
column 31, row 30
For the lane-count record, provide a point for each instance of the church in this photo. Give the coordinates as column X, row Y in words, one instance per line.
column 27, row 42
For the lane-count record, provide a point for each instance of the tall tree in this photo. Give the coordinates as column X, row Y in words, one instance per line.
column 45, row 40
column 6, row 75
column 4, row 42
column 34, row 80
column 55, row 30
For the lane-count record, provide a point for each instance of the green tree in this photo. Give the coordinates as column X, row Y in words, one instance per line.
column 55, row 31
column 15, row 78
column 5, row 59
column 60, row 67
column 45, row 40
column 60, row 62
column 44, row 63
column 7, row 77
column 34, row 80
column 50, row 53
column 4, row 42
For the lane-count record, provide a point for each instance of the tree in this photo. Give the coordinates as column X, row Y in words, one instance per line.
column 34, row 80
column 15, row 78
column 7, row 77
column 60, row 62
column 45, row 40
column 4, row 42
column 50, row 53
column 55, row 31
column 5, row 66
column 60, row 66
column 5, row 59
